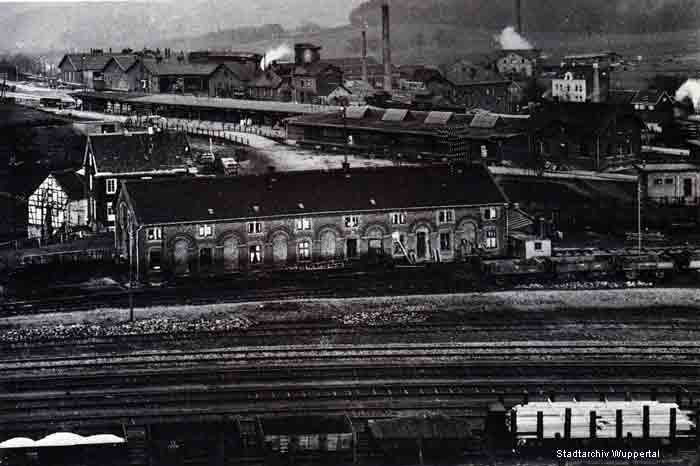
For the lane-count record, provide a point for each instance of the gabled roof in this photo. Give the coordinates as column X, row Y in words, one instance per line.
column 138, row 152
column 484, row 120
column 72, row 183
column 650, row 97
column 124, row 62
column 527, row 53
column 244, row 71
column 91, row 62
column 309, row 192
column 315, row 68
column 267, row 79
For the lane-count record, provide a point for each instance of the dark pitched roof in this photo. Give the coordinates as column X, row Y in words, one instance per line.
column 268, row 79
column 72, row 183
column 527, row 53
column 315, row 68
column 138, row 152
column 91, row 62
column 244, row 71
column 584, row 118
column 307, row 192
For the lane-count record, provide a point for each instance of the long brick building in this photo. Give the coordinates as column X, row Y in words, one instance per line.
column 210, row 226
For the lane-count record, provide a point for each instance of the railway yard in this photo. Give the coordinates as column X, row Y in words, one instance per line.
column 368, row 360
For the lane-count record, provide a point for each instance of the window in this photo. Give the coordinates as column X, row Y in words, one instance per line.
column 205, row 257
column 352, row 221
column 669, row 181
column 484, row 152
column 111, row 186
column 538, row 246
column 206, row 231
column 256, row 254
column 154, row 234
column 398, row 218
column 658, row 181
column 491, row 239
column 445, row 241
column 154, row 259
column 255, row 228
column 303, row 224
column 446, row 216
column 110, row 211
column 491, row 213
column 304, row 250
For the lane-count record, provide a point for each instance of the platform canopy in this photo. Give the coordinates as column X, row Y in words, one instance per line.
column 61, row 439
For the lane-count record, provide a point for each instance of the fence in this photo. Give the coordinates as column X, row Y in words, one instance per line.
column 218, row 130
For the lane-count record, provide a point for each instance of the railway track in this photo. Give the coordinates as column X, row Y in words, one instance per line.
column 312, row 333
column 499, row 351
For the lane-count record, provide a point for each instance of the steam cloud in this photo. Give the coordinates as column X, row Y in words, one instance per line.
column 690, row 89
column 275, row 54
column 511, row 40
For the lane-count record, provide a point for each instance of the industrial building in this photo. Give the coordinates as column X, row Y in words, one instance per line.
column 409, row 134
column 208, row 226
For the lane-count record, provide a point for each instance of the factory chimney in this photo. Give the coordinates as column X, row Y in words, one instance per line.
column 519, row 16
column 386, row 42
column 365, row 78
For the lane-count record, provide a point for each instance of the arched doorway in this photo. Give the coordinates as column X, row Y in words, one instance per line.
column 328, row 245
column 231, row 260
column 375, row 246
column 181, row 258
column 422, row 244
column 467, row 239
column 280, row 249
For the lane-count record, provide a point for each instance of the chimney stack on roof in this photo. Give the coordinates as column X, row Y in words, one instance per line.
column 386, row 44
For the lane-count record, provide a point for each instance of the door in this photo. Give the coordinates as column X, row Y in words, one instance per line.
column 351, row 248
column 687, row 187
column 468, row 240
column 181, row 257
column 231, row 254
column 422, row 245
column 374, row 249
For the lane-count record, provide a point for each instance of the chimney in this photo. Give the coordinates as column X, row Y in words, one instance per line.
column 386, row 43
column 365, row 78
column 596, row 97
column 519, row 16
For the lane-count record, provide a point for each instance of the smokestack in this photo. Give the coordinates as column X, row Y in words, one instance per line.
column 365, row 78
column 386, row 41
column 519, row 16
column 596, row 83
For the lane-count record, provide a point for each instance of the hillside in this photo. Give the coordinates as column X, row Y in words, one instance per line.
column 35, row 27
column 589, row 16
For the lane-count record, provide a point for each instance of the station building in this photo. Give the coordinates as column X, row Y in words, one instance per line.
column 212, row 226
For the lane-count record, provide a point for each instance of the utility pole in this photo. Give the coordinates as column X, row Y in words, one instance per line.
column 639, row 211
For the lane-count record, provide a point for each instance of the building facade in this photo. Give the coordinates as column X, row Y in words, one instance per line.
column 518, row 63
column 113, row 157
column 671, row 183
column 57, row 204
column 437, row 214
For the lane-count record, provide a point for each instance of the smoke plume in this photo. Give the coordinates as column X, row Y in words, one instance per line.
column 275, row 54
column 511, row 40
column 690, row 89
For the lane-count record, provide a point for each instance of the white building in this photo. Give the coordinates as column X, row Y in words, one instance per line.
column 58, row 202
column 569, row 88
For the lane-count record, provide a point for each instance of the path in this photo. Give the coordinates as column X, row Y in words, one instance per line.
column 282, row 156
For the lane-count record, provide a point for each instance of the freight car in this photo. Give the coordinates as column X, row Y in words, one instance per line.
column 551, row 425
